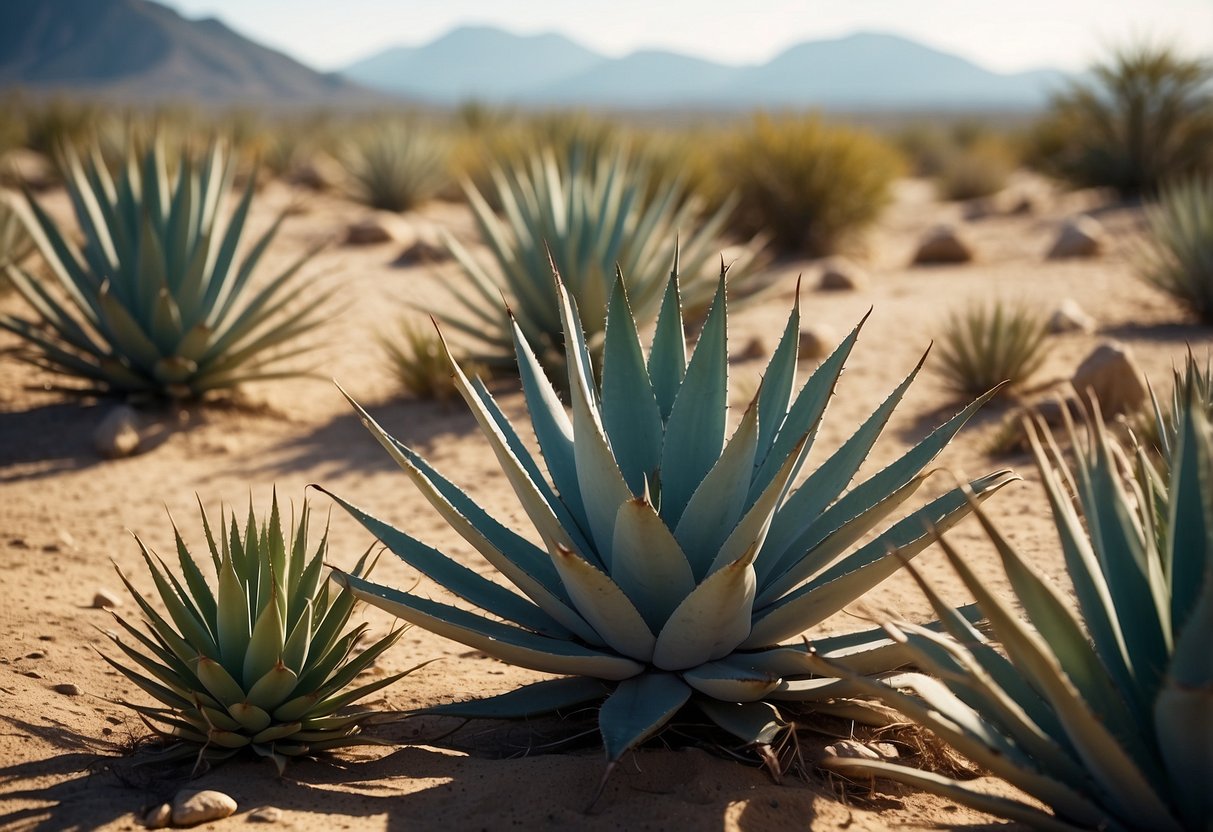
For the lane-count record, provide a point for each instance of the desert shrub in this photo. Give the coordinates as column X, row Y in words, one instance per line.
column 674, row 563
column 1145, row 119
column 397, row 167
column 417, row 359
column 1100, row 713
column 1179, row 257
column 155, row 302
column 985, row 345
column 981, row 169
column 586, row 220
column 812, row 186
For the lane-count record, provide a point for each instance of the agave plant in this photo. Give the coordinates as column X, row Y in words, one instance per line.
column 261, row 662
column 673, row 563
column 986, row 345
column 397, row 167
column 15, row 242
column 157, row 303
column 1191, row 387
column 419, row 363
column 591, row 221
column 1180, row 261
column 1103, row 715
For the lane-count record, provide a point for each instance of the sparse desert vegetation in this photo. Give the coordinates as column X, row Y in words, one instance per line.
column 667, row 504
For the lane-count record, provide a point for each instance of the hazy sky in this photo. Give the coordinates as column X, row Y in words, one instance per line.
column 1005, row 36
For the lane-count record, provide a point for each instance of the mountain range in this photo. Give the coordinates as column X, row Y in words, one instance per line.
column 144, row 51
column 139, row 50
column 861, row 71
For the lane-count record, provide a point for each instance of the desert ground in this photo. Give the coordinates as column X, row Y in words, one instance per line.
column 66, row 514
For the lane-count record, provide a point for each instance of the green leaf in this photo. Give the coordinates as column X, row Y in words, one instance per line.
column 637, row 709
column 529, row 700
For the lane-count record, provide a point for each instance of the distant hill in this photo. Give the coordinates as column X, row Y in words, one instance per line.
column 474, row 62
column 139, row 50
column 861, row 71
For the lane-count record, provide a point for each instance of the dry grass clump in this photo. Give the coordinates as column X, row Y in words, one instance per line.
column 811, row 185
column 419, row 364
column 396, row 167
column 1179, row 259
column 983, row 346
column 976, row 171
column 1145, row 119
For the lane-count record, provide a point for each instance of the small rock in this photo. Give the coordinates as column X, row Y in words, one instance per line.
column 1112, row 375
column 66, row 688
column 266, row 814
column 36, row 654
column 839, row 274
column 420, row 253
column 105, row 599
column 1070, row 317
column 366, row 232
column 1079, row 237
column 33, row 674
column 752, row 351
column 158, row 817
column 118, row 434
column 817, row 341
column 191, row 808
column 943, row 244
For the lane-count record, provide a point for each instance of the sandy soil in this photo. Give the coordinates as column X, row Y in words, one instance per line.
column 65, row 513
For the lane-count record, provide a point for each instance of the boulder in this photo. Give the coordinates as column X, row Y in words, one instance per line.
column 943, row 244
column 1113, row 377
column 841, row 275
column 1079, row 237
column 1070, row 317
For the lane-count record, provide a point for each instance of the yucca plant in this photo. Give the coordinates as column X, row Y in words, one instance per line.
column 1105, row 715
column 1135, row 122
column 1180, row 259
column 673, row 564
column 985, row 345
column 261, row 662
column 396, row 167
column 589, row 219
column 156, row 303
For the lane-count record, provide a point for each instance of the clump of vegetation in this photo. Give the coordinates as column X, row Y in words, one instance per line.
column 812, row 186
column 259, row 663
column 590, row 218
column 985, row 345
column 419, row 362
column 157, row 302
column 1180, row 259
column 1144, row 120
column 1191, row 387
column 979, row 170
column 1101, row 715
column 673, row 563
column 397, row 167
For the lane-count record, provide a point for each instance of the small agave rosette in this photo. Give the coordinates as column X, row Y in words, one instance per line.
column 261, row 662
column 673, row 562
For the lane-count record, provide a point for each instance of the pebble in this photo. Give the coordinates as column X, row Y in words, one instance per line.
column 943, row 244
column 1079, row 237
column 36, row 654
column 118, row 433
column 367, row 232
column 106, row 599
column 1070, row 317
column 66, row 688
column 158, row 817
column 266, row 814
column 191, row 808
